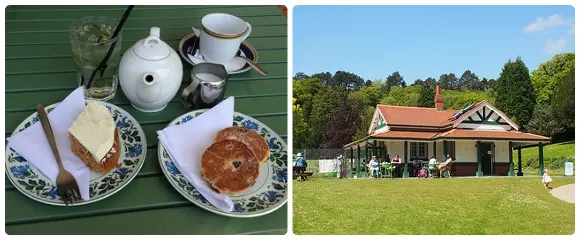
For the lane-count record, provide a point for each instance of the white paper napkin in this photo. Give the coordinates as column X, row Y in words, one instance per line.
column 185, row 144
column 33, row 145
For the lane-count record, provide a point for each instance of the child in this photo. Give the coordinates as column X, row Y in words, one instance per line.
column 546, row 179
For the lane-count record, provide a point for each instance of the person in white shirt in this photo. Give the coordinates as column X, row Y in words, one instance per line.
column 338, row 163
column 432, row 166
column 374, row 166
column 433, row 160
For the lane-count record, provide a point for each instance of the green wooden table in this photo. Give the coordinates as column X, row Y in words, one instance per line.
column 40, row 69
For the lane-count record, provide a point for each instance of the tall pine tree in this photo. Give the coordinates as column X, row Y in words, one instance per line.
column 515, row 93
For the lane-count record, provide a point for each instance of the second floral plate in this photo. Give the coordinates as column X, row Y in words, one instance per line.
column 268, row 193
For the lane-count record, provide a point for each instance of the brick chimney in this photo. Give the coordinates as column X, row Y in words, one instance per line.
column 438, row 99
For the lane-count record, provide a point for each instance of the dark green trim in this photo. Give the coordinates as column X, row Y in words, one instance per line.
column 498, row 118
column 520, row 173
column 486, row 122
column 470, row 119
column 511, row 159
column 483, row 108
column 435, row 149
column 351, row 162
column 479, row 173
column 358, row 161
column 478, row 114
column 405, row 167
column 489, row 115
column 374, row 152
column 541, row 158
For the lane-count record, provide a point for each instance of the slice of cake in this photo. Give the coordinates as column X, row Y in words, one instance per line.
column 95, row 138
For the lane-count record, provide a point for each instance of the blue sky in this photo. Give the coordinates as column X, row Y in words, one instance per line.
column 427, row 41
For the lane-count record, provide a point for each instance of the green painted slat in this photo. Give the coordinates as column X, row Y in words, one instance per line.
column 248, row 106
column 62, row 65
column 177, row 220
column 67, row 12
column 162, row 21
column 24, row 210
column 64, row 50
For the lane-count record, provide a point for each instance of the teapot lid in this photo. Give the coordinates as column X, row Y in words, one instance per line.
column 152, row 48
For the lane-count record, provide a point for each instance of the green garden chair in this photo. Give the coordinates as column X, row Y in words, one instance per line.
column 387, row 169
column 432, row 168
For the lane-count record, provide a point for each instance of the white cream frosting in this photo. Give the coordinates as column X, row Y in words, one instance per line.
column 94, row 129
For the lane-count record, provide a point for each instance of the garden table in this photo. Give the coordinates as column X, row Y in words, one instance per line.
column 40, row 69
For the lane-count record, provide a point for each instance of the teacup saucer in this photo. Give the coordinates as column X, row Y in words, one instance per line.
column 189, row 50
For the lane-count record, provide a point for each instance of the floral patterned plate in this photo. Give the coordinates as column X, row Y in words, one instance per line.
column 268, row 193
column 32, row 183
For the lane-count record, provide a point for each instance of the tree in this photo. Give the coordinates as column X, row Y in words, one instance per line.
column 427, row 96
column 543, row 78
column 301, row 131
column 343, row 124
column 304, row 91
column 469, row 81
column 300, row 76
column 324, row 107
column 418, row 82
column 400, row 96
column 515, row 93
column 368, row 83
column 448, row 81
column 347, row 81
column 371, row 95
column 563, row 98
column 544, row 122
column 324, row 77
column 430, row 82
column 394, row 80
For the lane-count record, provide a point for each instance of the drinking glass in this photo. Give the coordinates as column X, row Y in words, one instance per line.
column 91, row 38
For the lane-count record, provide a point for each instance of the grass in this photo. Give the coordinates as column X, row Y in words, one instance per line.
column 430, row 206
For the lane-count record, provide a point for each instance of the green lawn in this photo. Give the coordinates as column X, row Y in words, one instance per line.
column 430, row 206
column 551, row 152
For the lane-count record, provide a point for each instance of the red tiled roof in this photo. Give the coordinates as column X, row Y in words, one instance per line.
column 418, row 116
column 477, row 134
column 415, row 116
column 406, row 135
column 458, row 133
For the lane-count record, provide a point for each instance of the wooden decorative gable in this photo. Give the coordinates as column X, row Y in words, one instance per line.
column 485, row 117
column 378, row 124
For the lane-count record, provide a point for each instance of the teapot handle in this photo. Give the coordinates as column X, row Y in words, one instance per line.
column 154, row 35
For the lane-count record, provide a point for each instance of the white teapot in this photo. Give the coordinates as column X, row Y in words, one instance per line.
column 150, row 73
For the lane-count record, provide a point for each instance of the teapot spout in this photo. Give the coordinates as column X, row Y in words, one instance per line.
column 148, row 89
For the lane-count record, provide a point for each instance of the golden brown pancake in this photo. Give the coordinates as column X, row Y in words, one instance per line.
column 230, row 166
column 251, row 138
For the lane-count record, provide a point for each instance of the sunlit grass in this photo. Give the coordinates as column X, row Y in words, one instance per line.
column 430, row 206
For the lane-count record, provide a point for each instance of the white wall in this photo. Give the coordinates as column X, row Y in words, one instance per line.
column 394, row 148
column 502, row 152
column 465, row 151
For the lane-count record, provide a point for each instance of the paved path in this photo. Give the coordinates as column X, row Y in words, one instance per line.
column 564, row 193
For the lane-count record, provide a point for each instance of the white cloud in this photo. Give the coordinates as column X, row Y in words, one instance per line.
column 557, row 46
column 544, row 23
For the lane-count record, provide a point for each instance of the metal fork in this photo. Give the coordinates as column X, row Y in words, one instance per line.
column 66, row 185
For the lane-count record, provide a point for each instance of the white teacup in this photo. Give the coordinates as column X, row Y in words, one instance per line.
column 221, row 36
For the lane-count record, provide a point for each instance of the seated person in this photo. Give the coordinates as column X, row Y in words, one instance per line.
column 374, row 166
column 396, row 162
column 443, row 166
column 432, row 165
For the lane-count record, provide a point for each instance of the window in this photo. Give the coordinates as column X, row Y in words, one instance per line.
column 419, row 150
column 450, row 149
